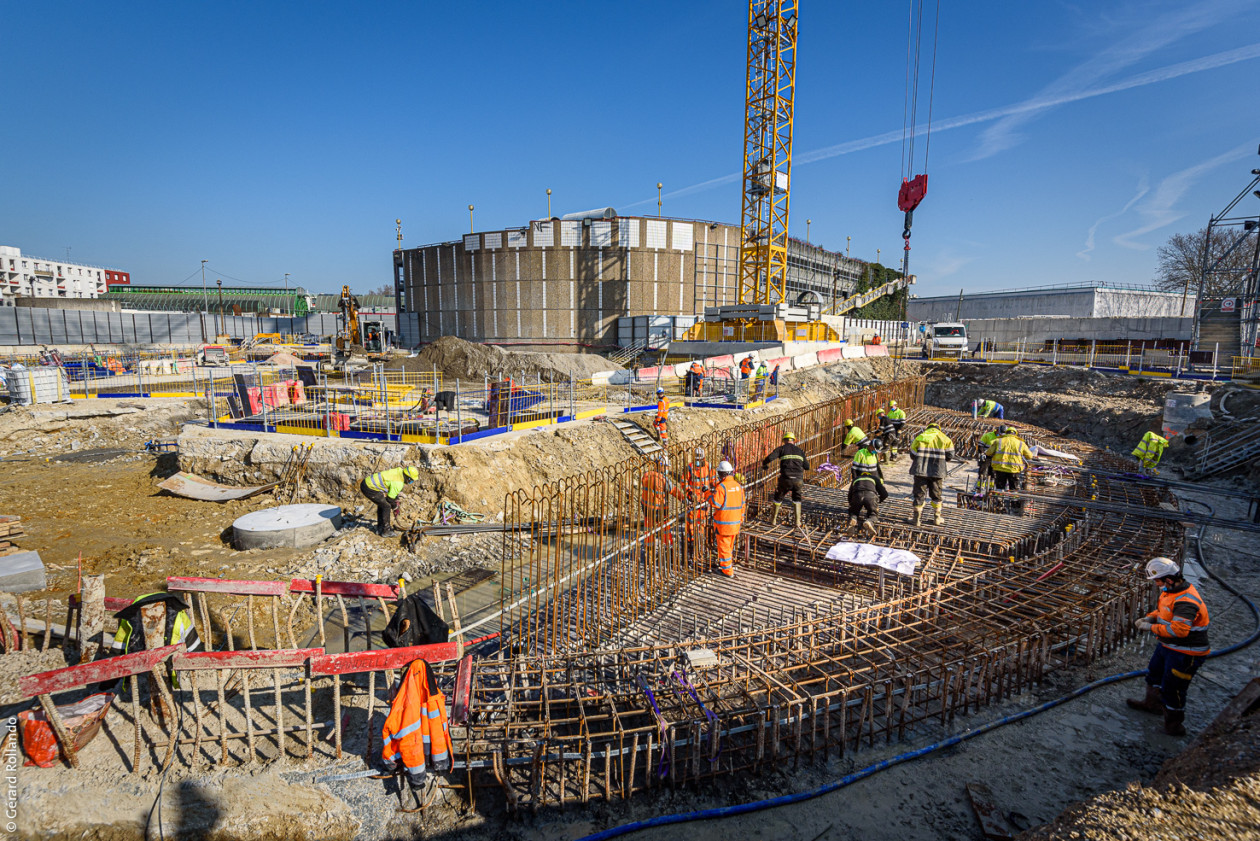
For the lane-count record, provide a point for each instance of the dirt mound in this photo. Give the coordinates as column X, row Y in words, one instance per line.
column 456, row 358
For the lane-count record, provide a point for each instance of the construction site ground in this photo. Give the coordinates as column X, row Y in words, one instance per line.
column 87, row 493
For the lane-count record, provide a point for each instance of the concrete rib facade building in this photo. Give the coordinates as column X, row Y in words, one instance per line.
column 566, row 282
column 38, row 277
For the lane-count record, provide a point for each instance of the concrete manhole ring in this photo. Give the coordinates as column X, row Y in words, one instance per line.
column 287, row 526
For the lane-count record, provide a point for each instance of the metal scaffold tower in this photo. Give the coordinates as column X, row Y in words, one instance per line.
column 1230, row 231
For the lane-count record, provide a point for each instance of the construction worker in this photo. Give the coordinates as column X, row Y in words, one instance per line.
column 727, row 502
column 661, row 422
column 984, row 467
column 866, row 490
column 695, row 379
column 853, row 435
column 383, row 488
column 1150, row 449
column 698, row 481
column 746, row 366
column 929, row 453
column 1007, row 457
column 763, row 370
column 1179, row 623
column 992, row 409
column 657, row 489
column 792, row 466
column 898, row 417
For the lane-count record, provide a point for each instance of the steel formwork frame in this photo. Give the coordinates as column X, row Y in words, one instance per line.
column 769, row 95
column 1240, row 229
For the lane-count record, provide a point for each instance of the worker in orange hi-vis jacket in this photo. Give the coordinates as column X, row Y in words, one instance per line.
column 727, row 501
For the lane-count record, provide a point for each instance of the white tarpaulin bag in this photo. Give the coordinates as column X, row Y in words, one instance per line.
column 868, row 554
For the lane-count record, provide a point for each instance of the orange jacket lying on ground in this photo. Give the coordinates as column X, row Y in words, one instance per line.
column 416, row 733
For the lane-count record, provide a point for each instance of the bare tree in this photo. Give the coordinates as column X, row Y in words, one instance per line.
column 383, row 289
column 1181, row 262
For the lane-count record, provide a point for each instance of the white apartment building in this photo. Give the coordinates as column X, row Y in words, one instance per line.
column 40, row 277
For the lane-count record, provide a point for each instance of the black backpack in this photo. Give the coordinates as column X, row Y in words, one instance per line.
column 414, row 623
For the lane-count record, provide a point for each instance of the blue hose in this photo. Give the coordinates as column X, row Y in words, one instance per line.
column 848, row 779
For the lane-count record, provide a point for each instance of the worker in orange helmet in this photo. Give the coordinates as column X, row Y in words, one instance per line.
column 727, row 501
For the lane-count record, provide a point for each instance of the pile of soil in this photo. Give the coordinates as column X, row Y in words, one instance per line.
column 455, row 358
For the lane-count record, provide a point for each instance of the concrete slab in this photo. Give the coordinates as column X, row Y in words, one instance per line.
column 290, row 526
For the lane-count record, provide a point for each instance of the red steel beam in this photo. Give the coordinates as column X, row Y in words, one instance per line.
column 72, row 677
column 385, row 658
column 266, row 659
column 226, row 585
column 345, row 588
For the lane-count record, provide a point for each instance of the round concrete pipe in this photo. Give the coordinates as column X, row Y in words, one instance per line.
column 288, row 526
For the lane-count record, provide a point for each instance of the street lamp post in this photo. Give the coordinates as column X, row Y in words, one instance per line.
column 847, row 242
column 222, row 316
column 659, row 185
column 807, row 223
column 471, row 229
column 205, row 300
column 548, row 202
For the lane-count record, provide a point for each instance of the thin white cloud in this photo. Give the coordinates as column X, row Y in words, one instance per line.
column 1160, row 210
column 1118, row 56
column 947, row 263
column 1144, row 187
column 1151, row 77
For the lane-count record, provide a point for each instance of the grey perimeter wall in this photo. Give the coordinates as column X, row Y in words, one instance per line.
column 29, row 326
column 1088, row 302
column 1101, row 329
column 565, row 282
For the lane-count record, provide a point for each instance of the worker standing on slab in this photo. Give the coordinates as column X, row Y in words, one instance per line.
column 695, row 379
column 929, row 453
column 661, row 422
column 657, row 489
column 866, row 489
column 892, row 441
column 1180, row 625
column 699, row 480
column 1007, row 459
column 992, row 409
column 1150, row 449
column 763, row 370
column 746, row 367
column 984, row 467
column 792, row 466
column 853, row 435
column 383, row 489
column 727, row 502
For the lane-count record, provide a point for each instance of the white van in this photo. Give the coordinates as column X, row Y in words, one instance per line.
column 946, row 338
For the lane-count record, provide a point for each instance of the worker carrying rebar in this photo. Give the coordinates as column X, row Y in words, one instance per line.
column 727, row 502
column 699, row 480
column 929, row 453
column 991, row 409
column 853, row 435
column 1150, row 449
column 984, row 467
column 1179, row 623
column 1007, row 461
column 792, row 466
column 661, row 422
column 866, row 489
column 746, row 366
column 383, row 489
column 657, row 489
column 695, row 379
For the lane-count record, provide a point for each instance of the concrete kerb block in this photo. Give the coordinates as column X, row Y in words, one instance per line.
column 805, row 360
column 853, row 352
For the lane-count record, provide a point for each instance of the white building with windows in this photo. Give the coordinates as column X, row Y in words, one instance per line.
column 39, row 277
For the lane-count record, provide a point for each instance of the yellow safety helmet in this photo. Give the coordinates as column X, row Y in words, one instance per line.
column 892, row 404
column 848, row 422
column 411, row 474
column 789, row 436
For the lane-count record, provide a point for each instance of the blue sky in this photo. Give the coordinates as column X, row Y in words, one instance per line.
column 1069, row 141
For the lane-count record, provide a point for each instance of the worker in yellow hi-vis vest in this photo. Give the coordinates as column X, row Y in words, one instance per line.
column 383, row 489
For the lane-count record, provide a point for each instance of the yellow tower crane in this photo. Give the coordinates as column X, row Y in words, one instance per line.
column 763, row 314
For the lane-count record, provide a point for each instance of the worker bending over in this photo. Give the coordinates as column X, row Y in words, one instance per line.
column 853, row 435
column 792, row 466
column 661, row 422
column 698, row 481
column 727, row 502
column 383, row 489
column 1007, row 457
column 866, row 489
column 1179, row 624
column 929, row 453
column 1150, row 449
column 992, row 409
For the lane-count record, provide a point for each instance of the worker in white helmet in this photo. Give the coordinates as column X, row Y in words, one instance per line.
column 727, row 502
column 1179, row 623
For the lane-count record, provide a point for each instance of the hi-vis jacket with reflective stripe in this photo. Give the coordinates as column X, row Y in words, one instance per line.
column 988, row 438
column 792, row 460
column 929, row 452
column 865, row 467
column 728, row 506
column 662, row 409
column 1150, row 449
column 1181, row 620
column 1007, row 454
column 987, row 407
column 699, row 481
column 657, row 489
column 389, row 482
column 417, row 732
column 897, row 416
column 854, row 435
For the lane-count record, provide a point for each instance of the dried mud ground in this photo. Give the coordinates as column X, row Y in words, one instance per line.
column 1093, row 752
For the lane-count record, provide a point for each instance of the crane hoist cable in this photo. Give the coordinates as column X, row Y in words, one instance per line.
column 914, row 187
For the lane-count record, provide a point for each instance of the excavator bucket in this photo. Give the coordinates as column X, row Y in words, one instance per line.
column 912, row 192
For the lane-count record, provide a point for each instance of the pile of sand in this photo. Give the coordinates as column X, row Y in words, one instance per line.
column 456, row 358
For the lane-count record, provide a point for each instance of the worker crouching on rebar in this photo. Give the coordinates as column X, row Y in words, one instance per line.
column 1150, row 450
column 727, row 502
column 866, row 490
column 383, row 489
column 1180, row 625
column 1008, row 456
column 792, row 466
column 929, row 453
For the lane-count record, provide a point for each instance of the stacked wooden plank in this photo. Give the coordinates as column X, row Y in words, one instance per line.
column 10, row 531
